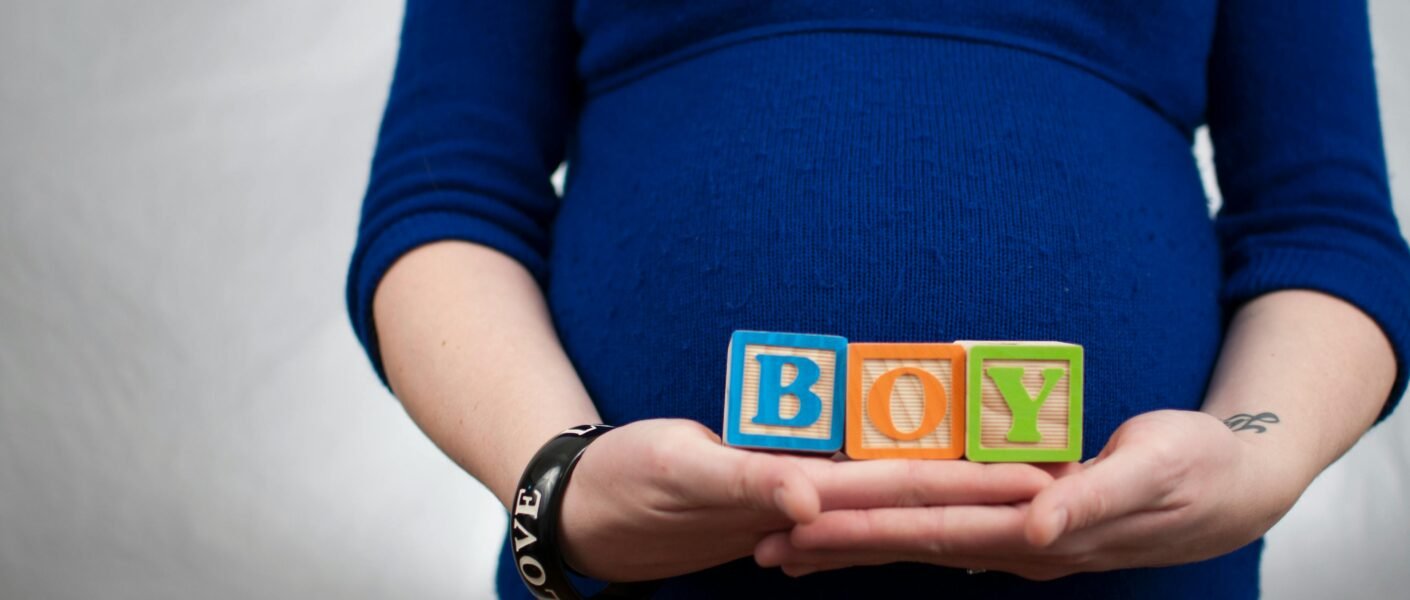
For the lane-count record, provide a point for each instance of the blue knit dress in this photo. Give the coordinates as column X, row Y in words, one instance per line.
column 893, row 170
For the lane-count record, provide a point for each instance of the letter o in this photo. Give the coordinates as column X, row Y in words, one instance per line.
column 527, row 562
column 879, row 404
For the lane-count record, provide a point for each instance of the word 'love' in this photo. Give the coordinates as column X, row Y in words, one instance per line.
column 985, row 401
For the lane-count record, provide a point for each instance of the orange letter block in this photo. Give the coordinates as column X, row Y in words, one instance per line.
column 905, row 401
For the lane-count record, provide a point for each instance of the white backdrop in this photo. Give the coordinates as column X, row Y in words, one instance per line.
column 184, row 411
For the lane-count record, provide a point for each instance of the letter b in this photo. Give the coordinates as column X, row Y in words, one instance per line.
column 772, row 390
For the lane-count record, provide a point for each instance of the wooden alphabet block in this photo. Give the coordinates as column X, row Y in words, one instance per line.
column 1025, row 401
column 786, row 391
column 905, row 401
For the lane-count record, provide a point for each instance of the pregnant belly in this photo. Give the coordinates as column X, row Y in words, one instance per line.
column 882, row 188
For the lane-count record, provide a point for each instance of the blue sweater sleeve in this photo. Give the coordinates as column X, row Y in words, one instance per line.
column 476, row 121
column 1297, row 141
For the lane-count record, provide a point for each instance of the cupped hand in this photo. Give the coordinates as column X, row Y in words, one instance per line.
column 663, row 497
column 1170, row 487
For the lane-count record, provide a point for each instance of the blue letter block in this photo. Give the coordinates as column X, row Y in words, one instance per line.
column 786, row 391
column 771, row 391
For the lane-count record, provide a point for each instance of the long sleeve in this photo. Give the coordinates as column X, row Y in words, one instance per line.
column 1293, row 116
column 480, row 108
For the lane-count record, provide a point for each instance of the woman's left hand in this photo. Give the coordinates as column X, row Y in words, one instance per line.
column 1170, row 487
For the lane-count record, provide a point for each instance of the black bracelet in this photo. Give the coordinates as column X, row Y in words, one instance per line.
column 538, row 505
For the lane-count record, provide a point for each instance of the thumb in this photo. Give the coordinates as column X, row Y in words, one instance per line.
column 1122, row 481
column 767, row 483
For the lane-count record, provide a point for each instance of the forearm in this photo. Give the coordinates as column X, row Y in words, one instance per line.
column 1319, row 364
column 470, row 350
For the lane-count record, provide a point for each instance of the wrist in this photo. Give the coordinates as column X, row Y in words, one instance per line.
column 1277, row 469
column 520, row 447
column 536, row 510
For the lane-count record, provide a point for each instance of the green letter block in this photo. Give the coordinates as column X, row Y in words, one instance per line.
column 1024, row 402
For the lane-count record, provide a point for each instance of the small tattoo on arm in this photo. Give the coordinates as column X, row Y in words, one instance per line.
column 1245, row 421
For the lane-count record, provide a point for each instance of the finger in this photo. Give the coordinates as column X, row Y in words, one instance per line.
column 777, row 550
column 714, row 475
column 1120, row 543
column 976, row 565
column 1123, row 481
column 1060, row 470
column 931, row 530
column 898, row 483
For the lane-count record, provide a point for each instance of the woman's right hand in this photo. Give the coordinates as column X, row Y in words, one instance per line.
column 664, row 497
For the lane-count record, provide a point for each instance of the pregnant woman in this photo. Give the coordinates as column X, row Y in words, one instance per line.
column 897, row 171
